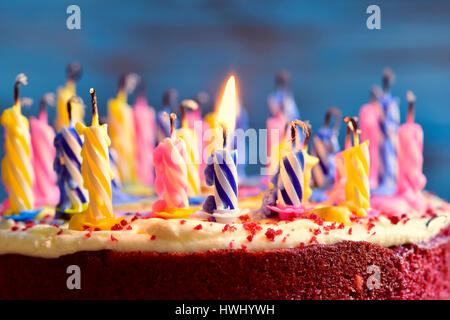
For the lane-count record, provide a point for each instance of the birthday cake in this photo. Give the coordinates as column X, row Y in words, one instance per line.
column 326, row 224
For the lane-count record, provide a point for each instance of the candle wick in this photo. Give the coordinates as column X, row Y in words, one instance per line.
column 337, row 118
column 20, row 79
column 353, row 126
column 187, row 104
column 94, row 107
column 411, row 98
column 69, row 108
column 172, row 117
column 306, row 129
column 224, row 135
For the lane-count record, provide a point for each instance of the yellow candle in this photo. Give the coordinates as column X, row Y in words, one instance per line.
column 64, row 94
column 97, row 175
column 121, row 131
column 17, row 170
column 189, row 137
column 356, row 159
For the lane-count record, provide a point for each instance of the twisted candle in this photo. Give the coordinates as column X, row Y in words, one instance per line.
column 73, row 72
column 171, row 173
column 115, row 182
column 356, row 158
column 144, row 120
column 325, row 146
column 389, row 123
column 97, row 174
column 410, row 153
column 369, row 120
column 17, row 169
column 293, row 177
column 190, row 139
column 67, row 164
column 42, row 136
column 121, row 131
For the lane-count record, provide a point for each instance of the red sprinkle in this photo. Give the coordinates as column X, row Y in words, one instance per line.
column 114, row 239
column 198, row 227
column 271, row 234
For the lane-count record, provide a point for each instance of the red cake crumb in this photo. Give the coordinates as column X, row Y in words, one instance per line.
column 227, row 227
column 97, row 229
column 114, row 239
column 116, row 227
column 252, row 227
column 301, row 245
column 394, row 219
column 243, row 247
column 244, row 218
column 59, row 232
column 129, row 227
column 134, row 218
column 230, row 245
column 88, row 235
column 250, row 237
column 284, row 239
column 313, row 240
column 14, row 228
column 198, row 227
column 123, row 222
column 183, row 221
column 271, row 233
column 350, row 231
column 153, row 237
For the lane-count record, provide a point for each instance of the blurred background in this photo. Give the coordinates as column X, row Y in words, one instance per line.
column 193, row 45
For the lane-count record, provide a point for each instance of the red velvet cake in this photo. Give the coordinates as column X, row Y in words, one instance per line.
column 404, row 257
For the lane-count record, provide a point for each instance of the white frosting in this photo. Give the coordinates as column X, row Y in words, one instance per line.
column 186, row 236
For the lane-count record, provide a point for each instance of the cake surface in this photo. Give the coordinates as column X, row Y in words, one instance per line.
column 306, row 258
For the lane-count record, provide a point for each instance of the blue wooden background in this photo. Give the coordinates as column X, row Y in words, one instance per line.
column 193, row 45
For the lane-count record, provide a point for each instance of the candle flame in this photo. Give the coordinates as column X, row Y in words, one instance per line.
column 227, row 107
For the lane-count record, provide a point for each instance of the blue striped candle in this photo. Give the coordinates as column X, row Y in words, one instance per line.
column 291, row 180
column 221, row 174
column 68, row 168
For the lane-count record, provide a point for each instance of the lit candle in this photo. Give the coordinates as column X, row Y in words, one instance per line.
column 73, row 197
column 325, row 146
column 17, row 169
column 73, row 72
column 221, row 171
column 171, row 182
column 192, row 156
column 170, row 98
column 144, row 121
column 121, row 131
column 97, row 175
column 42, row 136
column 411, row 180
column 369, row 122
column 389, row 123
column 356, row 159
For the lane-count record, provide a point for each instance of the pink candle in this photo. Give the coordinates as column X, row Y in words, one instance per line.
column 45, row 189
column 144, row 122
column 411, row 180
column 171, row 172
column 369, row 117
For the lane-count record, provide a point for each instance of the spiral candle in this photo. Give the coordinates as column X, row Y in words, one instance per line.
column 389, row 123
column 115, row 182
column 67, row 164
column 64, row 94
column 410, row 153
column 356, row 159
column 17, row 169
column 171, row 173
column 369, row 119
column 325, row 146
column 97, row 174
column 121, row 131
column 42, row 136
column 189, row 137
column 144, row 120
